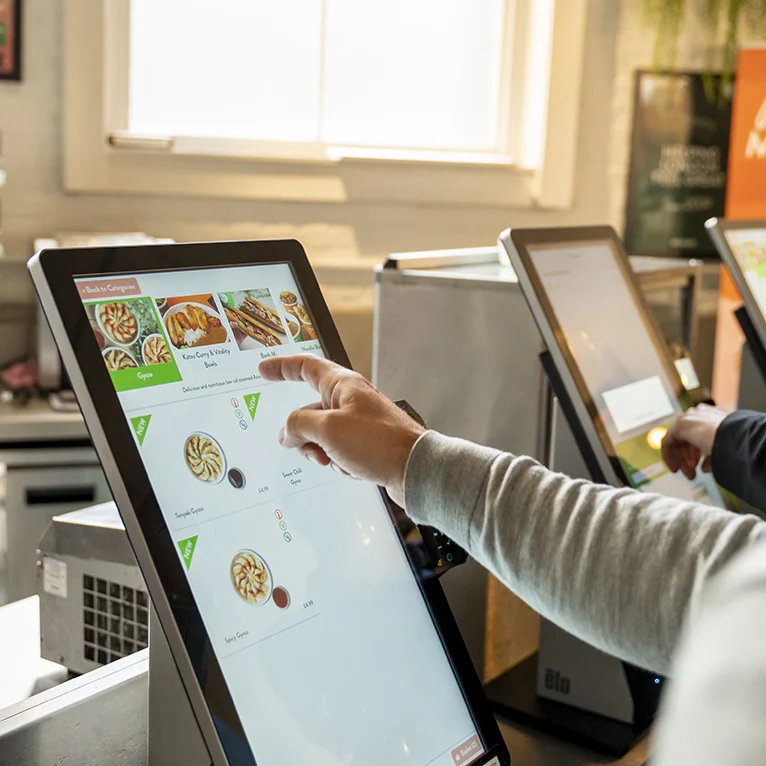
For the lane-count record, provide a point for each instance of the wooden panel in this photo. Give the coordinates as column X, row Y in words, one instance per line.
column 513, row 630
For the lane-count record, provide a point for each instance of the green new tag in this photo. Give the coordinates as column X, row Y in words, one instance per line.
column 251, row 402
column 140, row 425
column 187, row 549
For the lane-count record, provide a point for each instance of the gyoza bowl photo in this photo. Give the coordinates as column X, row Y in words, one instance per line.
column 204, row 458
column 251, row 577
column 118, row 322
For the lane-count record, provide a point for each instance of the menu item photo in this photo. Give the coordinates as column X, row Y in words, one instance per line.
column 251, row 577
column 118, row 359
column 752, row 256
column 155, row 350
column 254, row 318
column 297, row 310
column 118, row 322
column 205, row 458
column 130, row 337
column 193, row 321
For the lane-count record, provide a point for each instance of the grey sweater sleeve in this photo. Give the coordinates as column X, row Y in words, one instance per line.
column 618, row 568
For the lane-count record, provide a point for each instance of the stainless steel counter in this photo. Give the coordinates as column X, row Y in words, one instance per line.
column 37, row 422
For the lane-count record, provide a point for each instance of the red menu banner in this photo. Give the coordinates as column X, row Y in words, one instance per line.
column 99, row 289
column 745, row 198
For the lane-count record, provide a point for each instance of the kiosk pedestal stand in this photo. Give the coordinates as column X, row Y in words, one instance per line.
column 568, row 688
column 172, row 732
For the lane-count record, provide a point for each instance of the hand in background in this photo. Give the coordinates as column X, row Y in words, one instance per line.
column 354, row 427
column 690, row 438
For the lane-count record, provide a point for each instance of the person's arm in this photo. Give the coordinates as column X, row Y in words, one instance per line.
column 714, row 711
column 615, row 567
column 739, row 456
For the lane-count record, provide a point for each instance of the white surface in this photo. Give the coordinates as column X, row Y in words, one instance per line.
column 38, row 422
column 636, row 404
column 22, row 671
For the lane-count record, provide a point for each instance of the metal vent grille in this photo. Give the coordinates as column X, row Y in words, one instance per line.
column 115, row 620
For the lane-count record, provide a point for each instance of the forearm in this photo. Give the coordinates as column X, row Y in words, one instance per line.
column 739, row 456
column 617, row 568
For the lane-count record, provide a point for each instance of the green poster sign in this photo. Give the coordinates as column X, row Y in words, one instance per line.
column 678, row 162
column 140, row 425
column 251, row 402
column 187, row 549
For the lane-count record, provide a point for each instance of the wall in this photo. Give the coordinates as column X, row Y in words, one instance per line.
column 35, row 204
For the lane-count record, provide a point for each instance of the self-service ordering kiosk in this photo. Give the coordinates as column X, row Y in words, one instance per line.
column 617, row 391
column 742, row 246
column 472, row 316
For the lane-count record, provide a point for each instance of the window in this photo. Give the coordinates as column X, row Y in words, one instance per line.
column 318, row 99
column 412, row 74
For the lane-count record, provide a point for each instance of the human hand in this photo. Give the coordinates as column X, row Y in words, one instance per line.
column 354, row 428
column 691, row 437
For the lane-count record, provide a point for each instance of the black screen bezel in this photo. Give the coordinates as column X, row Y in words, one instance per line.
column 523, row 240
column 756, row 314
column 61, row 268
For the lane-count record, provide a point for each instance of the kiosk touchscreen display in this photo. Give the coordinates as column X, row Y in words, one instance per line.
column 748, row 246
column 628, row 385
column 325, row 642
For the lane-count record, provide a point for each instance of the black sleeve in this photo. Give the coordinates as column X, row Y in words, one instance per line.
column 739, row 456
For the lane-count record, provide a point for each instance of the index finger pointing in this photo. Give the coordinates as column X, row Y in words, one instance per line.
column 321, row 374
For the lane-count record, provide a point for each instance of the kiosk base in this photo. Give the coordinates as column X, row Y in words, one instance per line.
column 513, row 696
column 173, row 733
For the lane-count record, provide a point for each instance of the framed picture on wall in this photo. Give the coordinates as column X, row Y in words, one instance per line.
column 678, row 162
column 10, row 39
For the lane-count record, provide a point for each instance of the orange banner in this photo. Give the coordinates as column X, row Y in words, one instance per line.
column 745, row 198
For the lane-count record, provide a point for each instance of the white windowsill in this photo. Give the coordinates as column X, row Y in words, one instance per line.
column 253, row 151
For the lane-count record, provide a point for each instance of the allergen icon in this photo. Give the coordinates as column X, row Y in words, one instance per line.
column 278, row 515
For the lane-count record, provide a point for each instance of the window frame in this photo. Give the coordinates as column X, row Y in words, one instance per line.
column 99, row 156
